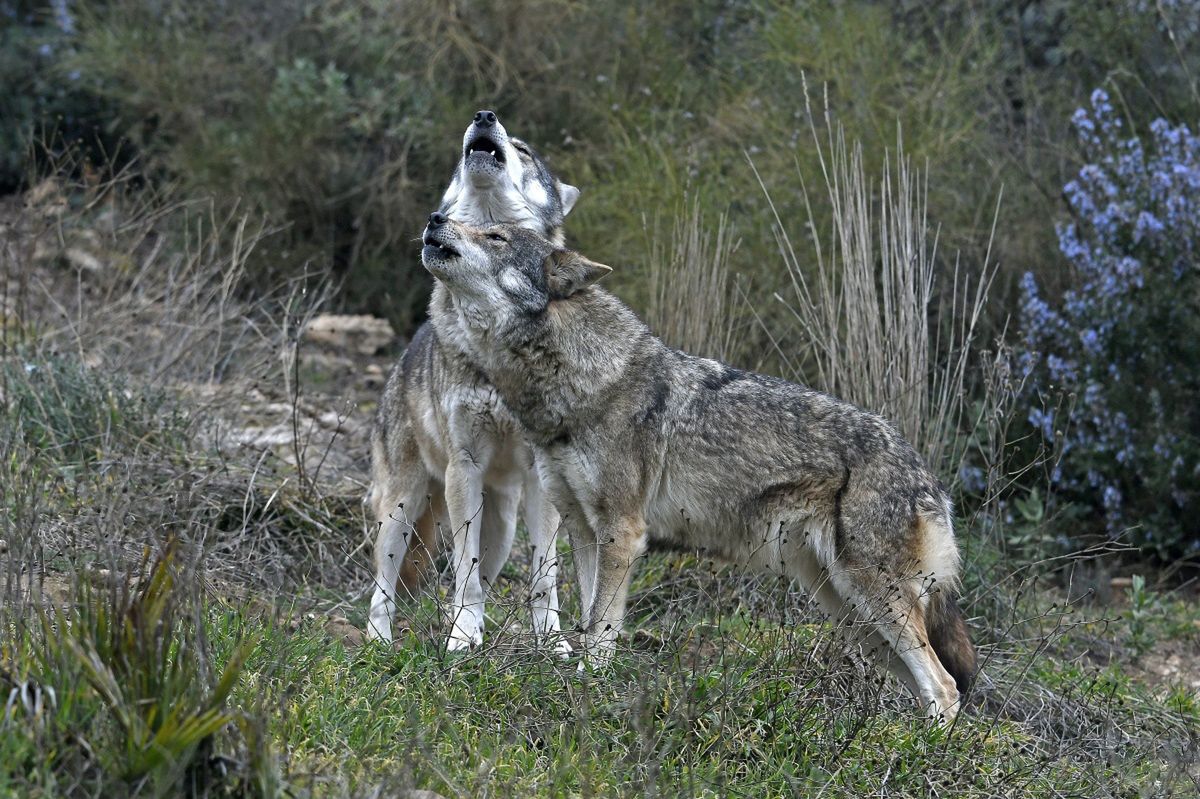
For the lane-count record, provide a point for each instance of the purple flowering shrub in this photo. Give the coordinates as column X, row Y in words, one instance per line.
column 1123, row 343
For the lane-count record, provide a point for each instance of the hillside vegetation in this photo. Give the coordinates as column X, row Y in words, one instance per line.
column 977, row 218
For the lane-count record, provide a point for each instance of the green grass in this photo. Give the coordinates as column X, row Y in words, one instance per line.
column 724, row 686
column 733, row 709
column 75, row 415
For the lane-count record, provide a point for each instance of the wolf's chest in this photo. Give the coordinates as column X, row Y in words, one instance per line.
column 479, row 411
column 473, row 424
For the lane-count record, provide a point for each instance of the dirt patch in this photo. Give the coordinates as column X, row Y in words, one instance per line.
column 1172, row 662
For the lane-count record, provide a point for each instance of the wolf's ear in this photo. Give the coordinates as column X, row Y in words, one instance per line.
column 567, row 272
column 567, row 194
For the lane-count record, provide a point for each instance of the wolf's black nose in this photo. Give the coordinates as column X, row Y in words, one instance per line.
column 437, row 219
column 485, row 119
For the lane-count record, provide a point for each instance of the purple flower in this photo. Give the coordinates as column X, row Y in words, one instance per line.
column 62, row 17
column 1123, row 328
column 1043, row 420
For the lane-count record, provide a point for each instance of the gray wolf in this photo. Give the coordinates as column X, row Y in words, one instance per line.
column 443, row 444
column 636, row 440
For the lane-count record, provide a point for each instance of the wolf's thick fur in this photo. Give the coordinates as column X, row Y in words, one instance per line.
column 635, row 439
column 443, row 443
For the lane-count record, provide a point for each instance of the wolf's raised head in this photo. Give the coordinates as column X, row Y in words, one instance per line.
column 501, row 179
column 503, row 270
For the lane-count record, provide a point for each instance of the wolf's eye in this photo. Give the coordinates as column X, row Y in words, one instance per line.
column 496, row 237
column 521, row 148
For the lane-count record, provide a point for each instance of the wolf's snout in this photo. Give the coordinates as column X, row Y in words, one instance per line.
column 435, row 230
column 438, row 239
column 485, row 119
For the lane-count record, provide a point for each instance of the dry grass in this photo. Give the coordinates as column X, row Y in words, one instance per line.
column 131, row 340
column 132, row 280
column 692, row 296
column 727, row 685
column 876, row 326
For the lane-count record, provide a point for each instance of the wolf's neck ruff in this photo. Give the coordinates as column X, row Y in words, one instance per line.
column 461, row 325
column 490, row 205
column 535, row 361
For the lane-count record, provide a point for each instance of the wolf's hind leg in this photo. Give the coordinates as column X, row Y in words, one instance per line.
column 497, row 527
column 858, row 633
column 465, row 502
column 423, row 548
column 541, row 519
column 895, row 610
column 498, row 531
column 805, row 540
column 398, row 515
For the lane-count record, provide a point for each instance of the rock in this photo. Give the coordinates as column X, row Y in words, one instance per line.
column 1173, row 668
column 341, row 628
column 82, row 259
column 363, row 333
column 47, row 198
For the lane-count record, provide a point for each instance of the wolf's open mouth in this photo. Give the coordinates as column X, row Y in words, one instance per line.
column 429, row 240
column 484, row 144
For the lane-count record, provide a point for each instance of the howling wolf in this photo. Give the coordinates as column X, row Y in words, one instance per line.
column 443, row 443
column 636, row 440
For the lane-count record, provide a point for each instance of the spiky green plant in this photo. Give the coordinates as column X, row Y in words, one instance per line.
column 140, row 647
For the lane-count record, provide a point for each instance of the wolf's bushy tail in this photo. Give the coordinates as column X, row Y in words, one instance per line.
column 950, row 638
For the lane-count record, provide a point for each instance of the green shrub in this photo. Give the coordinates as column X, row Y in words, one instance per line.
column 139, row 649
column 43, row 99
column 341, row 119
column 74, row 415
column 117, row 691
column 1121, row 341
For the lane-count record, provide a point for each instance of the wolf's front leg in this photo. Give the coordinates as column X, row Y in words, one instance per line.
column 542, row 520
column 619, row 544
column 390, row 547
column 464, row 501
column 580, row 536
column 399, row 508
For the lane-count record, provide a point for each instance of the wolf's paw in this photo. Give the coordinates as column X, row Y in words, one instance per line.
column 597, row 656
column 462, row 641
column 379, row 631
column 589, row 665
